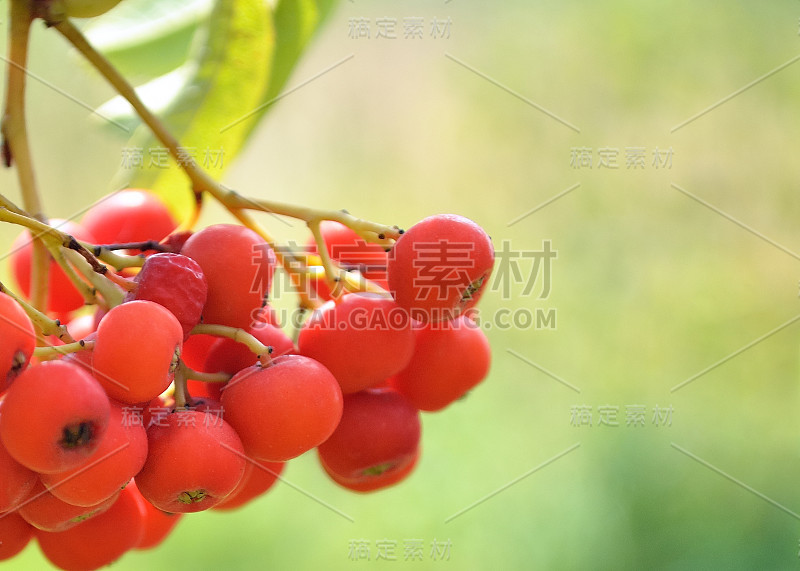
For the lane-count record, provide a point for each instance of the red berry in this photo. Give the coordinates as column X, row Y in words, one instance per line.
column 15, row 533
column 258, row 478
column 195, row 350
column 53, row 417
column 377, row 438
column 118, row 458
column 16, row 481
column 440, row 267
column 158, row 524
column 361, row 338
column 62, row 297
column 195, row 459
column 177, row 283
column 238, row 266
column 18, row 340
column 136, row 351
column 283, row 410
column 98, row 541
column 131, row 215
column 46, row 512
column 449, row 359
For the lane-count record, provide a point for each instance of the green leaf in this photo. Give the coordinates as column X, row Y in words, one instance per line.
column 240, row 60
column 296, row 22
column 233, row 56
column 147, row 38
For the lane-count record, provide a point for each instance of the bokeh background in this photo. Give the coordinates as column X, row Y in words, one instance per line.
column 665, row 273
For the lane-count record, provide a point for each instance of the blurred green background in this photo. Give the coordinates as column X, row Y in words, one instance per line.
column 650, row 287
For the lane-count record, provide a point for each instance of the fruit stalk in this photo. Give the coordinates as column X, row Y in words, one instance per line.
column 15, row 146
column 43, row 323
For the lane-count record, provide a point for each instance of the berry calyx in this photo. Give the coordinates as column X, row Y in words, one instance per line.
column 195, row 459
column 53, row 417
column 377, row 439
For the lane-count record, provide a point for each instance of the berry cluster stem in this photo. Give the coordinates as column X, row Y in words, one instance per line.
column 240, row 336
column 15, row 145
column 202, row 182
column 43, row 323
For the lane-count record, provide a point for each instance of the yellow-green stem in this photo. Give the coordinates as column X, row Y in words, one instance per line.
column 240, row 336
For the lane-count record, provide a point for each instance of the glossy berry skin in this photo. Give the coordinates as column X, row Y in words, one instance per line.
column 136, row 351
column 238, row 266
column 158, row 524
column 176, row 282
column 285, row 409
column 259, row 477
column 377, row 437
column 62, row 297
column 118, row 458
column 103, row 538
column 195, row 460
column 15, row 533
column 16, row 481
column 449, row 359
column 53, row 417
column 376, row 481
column 440, row 267
column 46, row 512
column 361, row 338
column 18, row 340
column 131, row 215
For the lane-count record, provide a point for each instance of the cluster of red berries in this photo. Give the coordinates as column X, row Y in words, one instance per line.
column 98, row 457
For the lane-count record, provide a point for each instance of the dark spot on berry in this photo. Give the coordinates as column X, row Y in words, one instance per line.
column 76, row 435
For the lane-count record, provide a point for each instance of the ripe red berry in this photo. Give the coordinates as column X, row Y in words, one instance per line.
column 53, row 417
column 195, row 350
column 238, row 266
column 136, row 351
column 46, row 512
column 440, row 267
column 177, row 283
column 283, row 410
column 62, row 297
column 158, row 524
column 98, row 541
column 377, row 438
column 131, row 215
column 118, row 458
column 449, row 359
column 18, row 340
column 15, row 533
column 16, row 481
column 259, row 477
column 195, row 459
column 361, row 338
